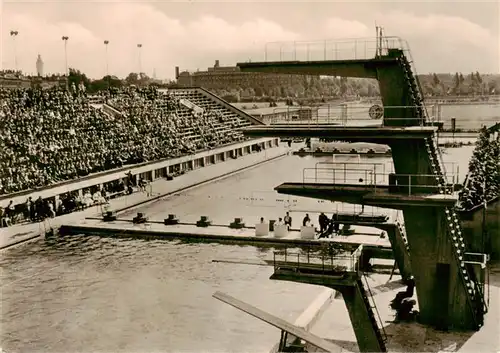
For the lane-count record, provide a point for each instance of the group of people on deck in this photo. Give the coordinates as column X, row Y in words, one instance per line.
column 327, row 226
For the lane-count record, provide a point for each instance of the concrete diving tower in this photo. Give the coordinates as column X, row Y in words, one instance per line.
column 448, row 284
column 382, row 59
column 449, row 292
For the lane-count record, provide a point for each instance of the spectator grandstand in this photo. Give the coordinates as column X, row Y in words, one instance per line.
column 48, row 136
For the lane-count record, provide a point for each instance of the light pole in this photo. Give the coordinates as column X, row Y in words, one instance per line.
column 65, row 40
column 14, row 34
column 106, row 42
column 139, row 46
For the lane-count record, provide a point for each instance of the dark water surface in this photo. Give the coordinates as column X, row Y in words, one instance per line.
column 91, row 294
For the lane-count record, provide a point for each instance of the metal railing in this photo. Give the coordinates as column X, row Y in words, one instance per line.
column 387, row 167
column 358, row 114
column 378, row 169
column 355, row 210
column 344, row 209
column 323, row 263
column 342, row 113
column 405, row 47
column 330, row 49
column 409, row 184
column 415, row 184
column 339, row 176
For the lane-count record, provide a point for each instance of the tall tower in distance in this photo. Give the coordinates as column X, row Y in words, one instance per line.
column 39, row 66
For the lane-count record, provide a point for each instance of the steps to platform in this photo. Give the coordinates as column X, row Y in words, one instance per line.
column 471, row 286
column 473, row 290
column 373, row 314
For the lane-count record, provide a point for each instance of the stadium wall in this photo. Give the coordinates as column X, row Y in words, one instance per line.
column 149, row 171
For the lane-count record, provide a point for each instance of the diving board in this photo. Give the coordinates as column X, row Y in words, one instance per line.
column 279, row 323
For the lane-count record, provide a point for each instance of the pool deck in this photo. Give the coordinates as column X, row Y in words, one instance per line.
column 215, row 233
column 335, row 325
column 23, row 232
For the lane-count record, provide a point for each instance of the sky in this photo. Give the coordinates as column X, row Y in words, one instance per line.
column 445, row 36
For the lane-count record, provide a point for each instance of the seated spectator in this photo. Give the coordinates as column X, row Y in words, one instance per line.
column 53, row 135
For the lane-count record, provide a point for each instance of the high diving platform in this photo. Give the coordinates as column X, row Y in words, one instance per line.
column 363, row 68
column 450, row 291
column 382, row 135
column 370, row 195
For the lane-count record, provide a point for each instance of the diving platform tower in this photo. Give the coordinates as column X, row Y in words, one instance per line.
column 448, row 281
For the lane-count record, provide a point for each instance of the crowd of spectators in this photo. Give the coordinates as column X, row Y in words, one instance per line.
column 48, row 136
column 149, row 109
column 483, row 179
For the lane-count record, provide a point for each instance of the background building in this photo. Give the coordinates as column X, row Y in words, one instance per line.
column 230, row 77
column 39, row 66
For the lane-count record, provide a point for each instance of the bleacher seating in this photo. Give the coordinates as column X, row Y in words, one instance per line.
column 225, row 121
column 55, row 135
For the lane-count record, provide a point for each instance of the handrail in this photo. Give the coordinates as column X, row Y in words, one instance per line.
column 406, row 48
column 380, row 323
column 371, row 178
column 336, row 263
column 344, row 164
column 346, row 172
column 358, row 48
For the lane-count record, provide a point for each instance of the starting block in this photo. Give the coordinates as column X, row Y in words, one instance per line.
column 171, row 220
column 280, row 230
column 109, row 216
column 261, row 229
column 237, row 224
column 204, row 222
column 139, row 218
column 307, row 232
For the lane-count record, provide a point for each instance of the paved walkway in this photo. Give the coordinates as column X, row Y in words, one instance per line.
column 23, row 232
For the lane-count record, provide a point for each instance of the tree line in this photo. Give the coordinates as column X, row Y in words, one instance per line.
column 433, row 85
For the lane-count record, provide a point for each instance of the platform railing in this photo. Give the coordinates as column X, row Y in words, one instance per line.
column 360, row 210
column 359, row 115
column 385, row 169
column 409, row 184
column 339, row 176
column 377, row 168
column 329, row 49
column 340, row 113
column 330, row 208
column 415, row 184
column 330, row 264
